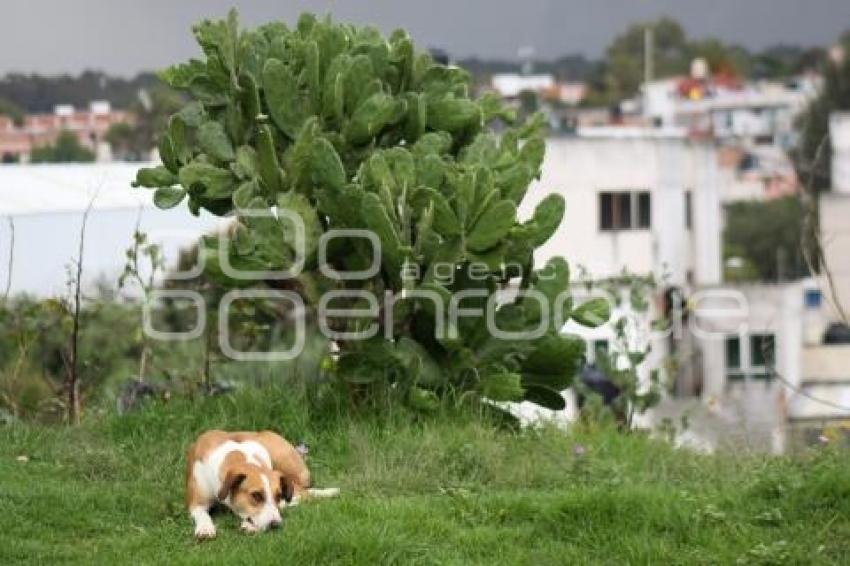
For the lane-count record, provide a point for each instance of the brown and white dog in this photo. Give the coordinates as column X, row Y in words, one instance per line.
column 255, row 474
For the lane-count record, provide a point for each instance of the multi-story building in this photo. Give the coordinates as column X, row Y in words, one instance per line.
column 89, row 126
column 639, row 203
column 751, row 113
column 749, row 362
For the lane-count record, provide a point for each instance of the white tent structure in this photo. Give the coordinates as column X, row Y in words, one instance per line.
column 41, row 213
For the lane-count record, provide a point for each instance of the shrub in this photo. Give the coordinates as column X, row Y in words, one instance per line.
column 350, row 130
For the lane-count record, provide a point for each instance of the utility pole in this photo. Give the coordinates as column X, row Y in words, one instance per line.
column 647, row 54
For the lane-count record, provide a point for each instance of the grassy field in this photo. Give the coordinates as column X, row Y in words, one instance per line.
column 452, row 490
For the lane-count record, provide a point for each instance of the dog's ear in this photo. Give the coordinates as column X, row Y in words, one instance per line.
column 231, row 481
column 287, row 488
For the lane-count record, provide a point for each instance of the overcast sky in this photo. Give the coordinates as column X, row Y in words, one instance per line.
column 124, row 37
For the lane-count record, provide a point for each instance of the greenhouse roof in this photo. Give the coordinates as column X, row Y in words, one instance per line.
column 44, row 189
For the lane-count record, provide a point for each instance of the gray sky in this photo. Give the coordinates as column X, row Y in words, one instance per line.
column 124, row 37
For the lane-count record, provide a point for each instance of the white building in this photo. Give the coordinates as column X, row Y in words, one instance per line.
column 750, row 359
column 510, row 85
column 638, row 202
column 759, row 112
column 647, row 204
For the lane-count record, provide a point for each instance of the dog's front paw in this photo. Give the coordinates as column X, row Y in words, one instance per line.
column 249, row 527
column 205, row 531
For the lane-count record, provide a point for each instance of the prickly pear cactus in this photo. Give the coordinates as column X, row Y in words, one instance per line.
column 352, row 130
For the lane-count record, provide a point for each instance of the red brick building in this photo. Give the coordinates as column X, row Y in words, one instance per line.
column 90, row 127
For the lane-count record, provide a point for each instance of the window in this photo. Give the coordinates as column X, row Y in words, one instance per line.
column 755, row 362
column 597, row 350
column 733, row 359
column 644, row 210
column 600, row 346
column 733, row 352
column 762, row 350
column 689, row 210
column 625, row 210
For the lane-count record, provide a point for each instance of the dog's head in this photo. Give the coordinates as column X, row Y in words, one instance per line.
column 256, row 495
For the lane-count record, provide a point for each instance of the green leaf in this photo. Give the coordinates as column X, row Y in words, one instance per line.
column 378, row 220
column 180, row 76
column 193, row 114
column 208, row 180
column 168, row 197
column 154, row 177
column 547, row 217
column 554, row 360
column 551, row 281
column 359, row 82
column 445, row 219
column 532, row 153
column 214, row 141
column 454, row 115
column 431, row 170
column 416, row 119
column 249, row 97
column 493, row 225
column 450, row 252
column 247, row 164
column 204, row 89
column 218, row 39
column 299, row 205
column 502, row 386
column 182, row 151
column 326, row 165
column 244, row 196
column 333, row 92
column 167, row 154
column 513, row 182
column 373, row 115
column 267, row 161
column 288, row 107
column 545, row 397
column 592, row 313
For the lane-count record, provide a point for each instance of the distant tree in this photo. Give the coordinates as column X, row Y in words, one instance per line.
column 151, row 110
column 12, row 110
column 813, row 154
column 767, row 236
column 529, row 102
column 37, row 93
column 722, row 59
column 66, row 149
column 781, row 61
column 625, row 56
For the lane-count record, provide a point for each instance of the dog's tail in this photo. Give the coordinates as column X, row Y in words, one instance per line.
column 325, row 493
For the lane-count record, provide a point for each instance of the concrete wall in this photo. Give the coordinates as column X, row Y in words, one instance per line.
column 826, row 363
column 580, row 169
column 835, row 238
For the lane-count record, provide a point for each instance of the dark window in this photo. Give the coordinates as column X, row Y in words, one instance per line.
column 623, row 211
column 762, row 350
column 733, row 352
column 600, row 349
column 606, row 211
column 689, row 210
column 733, row 359
column 644, row 210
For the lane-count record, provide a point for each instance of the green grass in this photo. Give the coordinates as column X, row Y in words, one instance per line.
column 452, row 490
